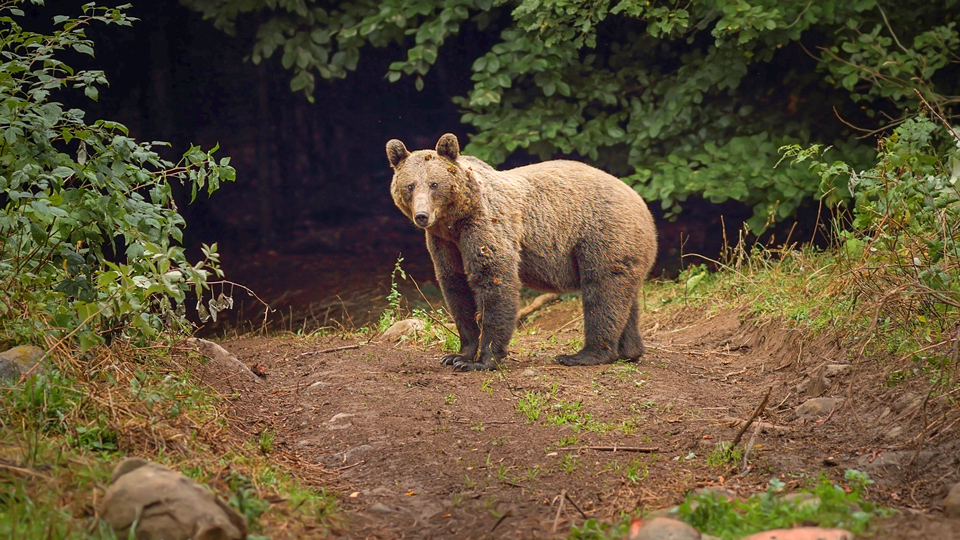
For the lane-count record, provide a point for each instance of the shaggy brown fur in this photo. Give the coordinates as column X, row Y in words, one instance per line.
column 554, row 226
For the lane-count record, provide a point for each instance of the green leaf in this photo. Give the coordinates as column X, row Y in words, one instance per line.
column 38, row 234
column 83, row 48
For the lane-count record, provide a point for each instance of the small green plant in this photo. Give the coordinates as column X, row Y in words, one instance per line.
column 487, row 385
column 568, row 463
column 96, row 438
column 572, row 414
column 266, row 441
column 636, row 471
column 245, row 499
column 567, row 441
column 723, row 454
column 392, row 313
column 531, row 405
column 564, row 413
column 450, row 399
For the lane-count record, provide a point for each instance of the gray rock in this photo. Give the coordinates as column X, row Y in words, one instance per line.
column 831, row 370
column 380, row 508
column 721, row 492
column 222, row 358
column 812, row 409
column 21, row 360
column 907, row 402
column 816, row 385
column 871, row 463
column 163, row 504
column 662, row 529
column 802, row 500
column 670, row 512
column 339, row 421
column 951, row 504
column 402, row 328
column 892, row 433
column 357, row 451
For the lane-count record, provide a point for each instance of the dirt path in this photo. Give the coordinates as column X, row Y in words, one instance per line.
column 418, row 451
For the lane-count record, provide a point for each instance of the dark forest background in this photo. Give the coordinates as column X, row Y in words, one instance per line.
column 311, row 177
column 310, row 217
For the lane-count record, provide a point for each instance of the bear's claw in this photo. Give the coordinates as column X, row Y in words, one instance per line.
column 582, row 359
column 451, row 359
column 475, row 366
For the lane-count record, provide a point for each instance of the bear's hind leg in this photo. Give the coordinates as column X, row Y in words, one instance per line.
column 631, row 344
column 606, row 309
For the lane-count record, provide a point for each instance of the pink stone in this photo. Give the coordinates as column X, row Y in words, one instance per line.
column 661, row 529
column 802, row 533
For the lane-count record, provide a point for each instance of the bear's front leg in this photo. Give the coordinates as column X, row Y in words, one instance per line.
column 459, row 298
column 495, row 281
column 448, row 266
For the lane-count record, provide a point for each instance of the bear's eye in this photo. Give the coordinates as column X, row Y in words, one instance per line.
column 410, row 187
column 433, row 185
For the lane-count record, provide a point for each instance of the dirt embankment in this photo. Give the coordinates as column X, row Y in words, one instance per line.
column 418, row 451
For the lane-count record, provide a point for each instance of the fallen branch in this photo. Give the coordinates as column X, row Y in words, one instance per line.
column 756, row 413
column 562, row 497
column 334, row 349
column 614, row 448
column 25, row 471
column 345, row 467
column 736, row 422
column 537, row 303
column 567, row 495
column 499, row 521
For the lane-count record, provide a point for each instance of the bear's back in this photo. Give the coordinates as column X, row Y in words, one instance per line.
column 568, row 212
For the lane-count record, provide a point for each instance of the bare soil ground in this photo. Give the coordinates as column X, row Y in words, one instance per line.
column 416, row 450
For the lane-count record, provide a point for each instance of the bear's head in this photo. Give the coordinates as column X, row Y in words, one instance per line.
column 432, row 187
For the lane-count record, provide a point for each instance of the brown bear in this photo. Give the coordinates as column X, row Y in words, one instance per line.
column 555, row 226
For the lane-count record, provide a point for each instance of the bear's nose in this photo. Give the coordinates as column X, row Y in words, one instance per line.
column 421, row 219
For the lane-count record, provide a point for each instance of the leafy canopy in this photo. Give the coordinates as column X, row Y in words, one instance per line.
column 679, row 98
column 88, row 224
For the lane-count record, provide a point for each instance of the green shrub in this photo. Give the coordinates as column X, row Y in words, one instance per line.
column 88, row 226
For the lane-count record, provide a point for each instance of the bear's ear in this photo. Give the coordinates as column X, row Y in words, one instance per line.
column 396, row 152
column 448, row 147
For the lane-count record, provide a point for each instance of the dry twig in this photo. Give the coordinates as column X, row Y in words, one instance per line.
column 614, row 448
column 756, row 413
column 536, row 304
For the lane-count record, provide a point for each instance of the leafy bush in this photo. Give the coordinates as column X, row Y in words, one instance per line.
column 88, row 227
column 831, row 506
column 680, row 99
column 902, row 241
column 827, row 505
